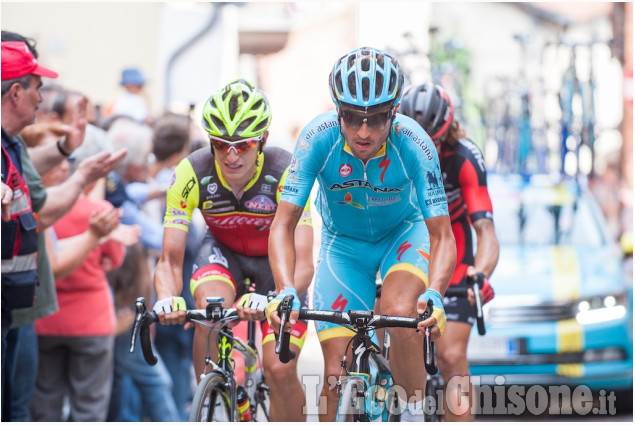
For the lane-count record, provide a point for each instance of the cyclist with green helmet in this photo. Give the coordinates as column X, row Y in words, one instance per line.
column 236, row 184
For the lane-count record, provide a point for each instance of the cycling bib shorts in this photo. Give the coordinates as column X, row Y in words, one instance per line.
column 216, row 262
column 346, row 274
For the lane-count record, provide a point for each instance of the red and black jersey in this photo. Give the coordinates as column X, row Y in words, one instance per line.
column 465, row 183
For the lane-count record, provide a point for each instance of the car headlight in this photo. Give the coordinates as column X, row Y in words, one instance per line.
column 601, row 308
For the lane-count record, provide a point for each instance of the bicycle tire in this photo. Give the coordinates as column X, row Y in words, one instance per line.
column 350, row 399
column 211, row 392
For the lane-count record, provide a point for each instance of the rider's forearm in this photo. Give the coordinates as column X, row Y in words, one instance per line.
column 168, row 280
column 442, row 261
column 168, row 276
column 282, row 255
column 487, row 247
column 304, row 267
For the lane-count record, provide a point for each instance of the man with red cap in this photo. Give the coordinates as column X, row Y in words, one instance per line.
column 21, row 82
column 19, row 69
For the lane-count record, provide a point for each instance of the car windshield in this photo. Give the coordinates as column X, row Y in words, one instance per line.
column 535, row 218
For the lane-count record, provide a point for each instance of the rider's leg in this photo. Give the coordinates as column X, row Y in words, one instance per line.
column 400, row 292
column 333, row 350
column 287, row 393
column 209, row 288
column 451, row 352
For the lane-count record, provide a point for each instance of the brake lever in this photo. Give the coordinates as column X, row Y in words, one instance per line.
column 428, row 344
column 477, row 284
column 143, row 320
column 282, row 341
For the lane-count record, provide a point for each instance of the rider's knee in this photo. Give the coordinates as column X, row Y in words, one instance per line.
column 279, row 372
column 451, row 360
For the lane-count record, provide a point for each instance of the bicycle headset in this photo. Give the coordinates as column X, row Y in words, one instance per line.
column 237, row 111
column 366, row 78
column 431, row 107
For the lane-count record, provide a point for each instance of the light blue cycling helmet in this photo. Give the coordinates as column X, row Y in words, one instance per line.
column 366, row 78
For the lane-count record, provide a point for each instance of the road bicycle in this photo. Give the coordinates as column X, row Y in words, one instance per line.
column 367, row 391
column 217, row 395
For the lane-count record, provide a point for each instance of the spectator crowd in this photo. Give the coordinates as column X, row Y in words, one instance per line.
column 83, row 200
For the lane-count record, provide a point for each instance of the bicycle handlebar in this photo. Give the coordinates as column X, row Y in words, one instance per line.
column 359, row 319
column 145, row 318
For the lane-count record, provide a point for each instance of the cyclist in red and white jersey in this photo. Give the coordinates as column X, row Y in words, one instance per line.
column 469, row 204
column 236, row 183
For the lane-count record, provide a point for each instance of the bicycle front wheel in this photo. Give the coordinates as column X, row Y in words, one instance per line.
column 212, row 401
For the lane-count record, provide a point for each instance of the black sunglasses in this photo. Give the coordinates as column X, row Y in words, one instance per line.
column 375, row 122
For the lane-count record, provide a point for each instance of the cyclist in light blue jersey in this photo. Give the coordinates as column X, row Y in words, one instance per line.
column 383, row 209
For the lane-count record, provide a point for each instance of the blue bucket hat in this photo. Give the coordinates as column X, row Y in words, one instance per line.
column 132, row 77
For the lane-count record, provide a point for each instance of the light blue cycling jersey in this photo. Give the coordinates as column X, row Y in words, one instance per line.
column 402, row 182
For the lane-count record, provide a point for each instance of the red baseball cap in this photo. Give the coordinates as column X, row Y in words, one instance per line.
column 18, row 61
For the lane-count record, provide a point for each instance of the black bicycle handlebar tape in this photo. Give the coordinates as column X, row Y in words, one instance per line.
column 142, row 323
column 428, row 344
column 477, row 283
column 282, row 343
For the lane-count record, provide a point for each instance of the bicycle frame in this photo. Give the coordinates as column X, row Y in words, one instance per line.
column 380, row 394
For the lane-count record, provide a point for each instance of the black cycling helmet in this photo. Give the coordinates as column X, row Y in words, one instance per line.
column 431, row 107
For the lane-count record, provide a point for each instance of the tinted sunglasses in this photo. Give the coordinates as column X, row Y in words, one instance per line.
column 240, row 146
column 375, row 122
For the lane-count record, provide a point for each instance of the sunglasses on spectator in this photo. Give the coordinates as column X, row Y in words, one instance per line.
column 375, row 122
column 239, row 146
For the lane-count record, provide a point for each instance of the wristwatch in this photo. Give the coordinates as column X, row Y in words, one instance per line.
column 59, row 147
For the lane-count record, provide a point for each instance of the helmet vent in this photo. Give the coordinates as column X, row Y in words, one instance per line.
column 233, row 107
column 338, row 82
column 246, row 123
column 352, row 87
column 366, row 89
column 379, row 83
column 365, row 64
column 218, row 123
column 262, row 126
column 350, row 62
column 257, row 105
column 380, row 60
column 392, row 83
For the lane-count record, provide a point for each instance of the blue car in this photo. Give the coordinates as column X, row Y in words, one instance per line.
column 563, row 310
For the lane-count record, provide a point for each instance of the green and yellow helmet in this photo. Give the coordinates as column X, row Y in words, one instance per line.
column 238, row 110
